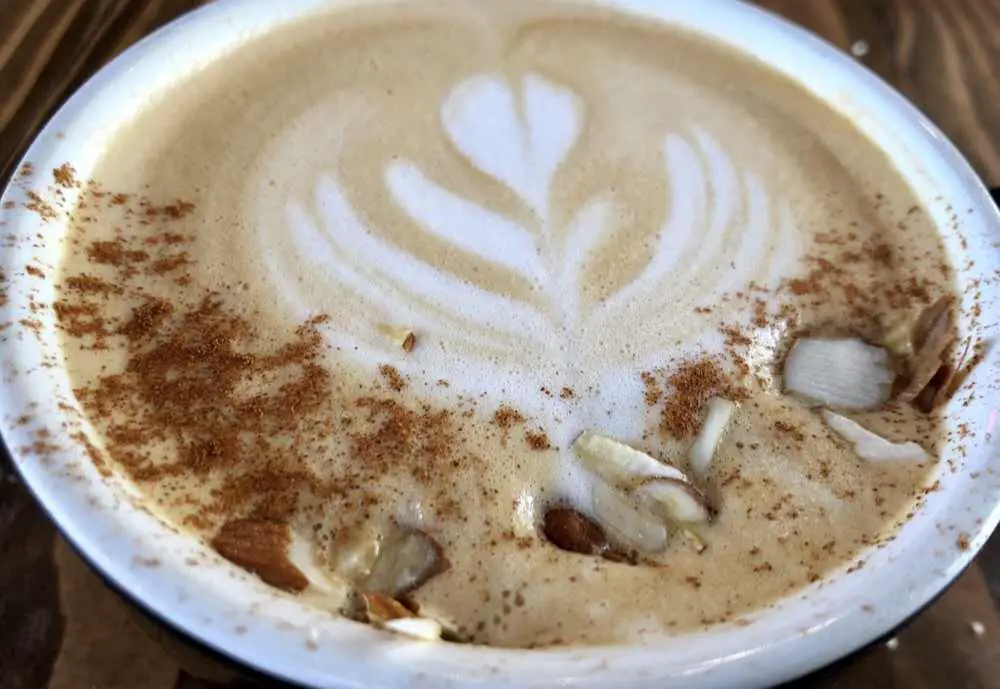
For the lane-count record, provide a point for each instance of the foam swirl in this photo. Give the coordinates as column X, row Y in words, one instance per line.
column 720, row 231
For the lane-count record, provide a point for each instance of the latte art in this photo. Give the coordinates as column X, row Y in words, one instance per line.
column 427, row 248
column 577, row 315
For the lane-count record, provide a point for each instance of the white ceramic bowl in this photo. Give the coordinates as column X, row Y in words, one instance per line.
column 235, row 614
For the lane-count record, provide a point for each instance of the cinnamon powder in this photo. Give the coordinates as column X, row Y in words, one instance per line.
column 204, row 398
column 688, row 389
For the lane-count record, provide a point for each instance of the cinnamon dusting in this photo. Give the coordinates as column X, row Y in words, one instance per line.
column 688, row 389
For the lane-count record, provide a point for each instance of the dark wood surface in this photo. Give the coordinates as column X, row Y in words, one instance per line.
column 61, row 628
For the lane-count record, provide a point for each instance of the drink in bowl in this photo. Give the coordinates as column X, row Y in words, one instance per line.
column 504, row 343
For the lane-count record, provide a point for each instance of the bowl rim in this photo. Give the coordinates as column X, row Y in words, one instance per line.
column 92, row 513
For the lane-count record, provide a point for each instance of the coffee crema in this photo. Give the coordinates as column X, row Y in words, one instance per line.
column 574, row 220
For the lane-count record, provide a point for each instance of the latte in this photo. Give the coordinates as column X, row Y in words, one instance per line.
column 343, row 302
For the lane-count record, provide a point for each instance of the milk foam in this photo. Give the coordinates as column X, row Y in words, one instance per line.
column 547, row 198
column 722, row 231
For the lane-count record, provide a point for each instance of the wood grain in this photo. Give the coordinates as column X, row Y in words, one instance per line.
column 944, row 55
column 48, row 48
column 61, row 628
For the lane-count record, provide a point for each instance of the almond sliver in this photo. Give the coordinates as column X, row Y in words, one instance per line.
column 618, row 463
column 422, row 628
column 626, row 522
column 680, row 501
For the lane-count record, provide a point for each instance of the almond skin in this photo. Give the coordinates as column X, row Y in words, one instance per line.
column 382, row 608
column 261, row 547
column 409, row 558
column 569, row 530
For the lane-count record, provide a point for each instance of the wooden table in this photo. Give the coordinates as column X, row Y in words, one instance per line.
column 61, row 628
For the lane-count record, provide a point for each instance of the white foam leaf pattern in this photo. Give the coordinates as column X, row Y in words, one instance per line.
column 520, row 134
column 687, row 202
column 520, row 139
column 720, row 230
column 464, row 224
column 313, row 247
column 585, row 232
column 472, row 304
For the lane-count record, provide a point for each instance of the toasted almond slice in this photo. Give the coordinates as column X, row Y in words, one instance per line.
column 261, row 547
column 930, row 318
column 720, row 412
column 618, row 463
column 570, row 530
column 898, row 337
column 407, row 559
column 842, row 373
column 680, row 501
column 422, row 628
column 626, row 522
column 870, row 446
column 388, row 613
column 930, row 353
column 953, row 379
column 690, row 535
column 403, row 337
column 353, row 558
column 382, row 608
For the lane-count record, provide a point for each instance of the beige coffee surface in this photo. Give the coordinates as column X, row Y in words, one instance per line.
column 644, row 201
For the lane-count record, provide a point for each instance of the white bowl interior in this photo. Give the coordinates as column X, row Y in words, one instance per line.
column 183, row 582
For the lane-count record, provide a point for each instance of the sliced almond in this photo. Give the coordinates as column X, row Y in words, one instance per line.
column 952, row 380
column 422, row 628
column 618, row 463
column 898, row 337
column 935, row 336
column 407, row 559
column 720, row 412
column 261, row 547
column 691, row 536
column 381, row 608
column 680, row 501
column 570, row 530
column 626, row 522
column 353, row 558
column 843, row 373
column 930, row 318
column 389, row 614
column 870, row 446
column 403, row 337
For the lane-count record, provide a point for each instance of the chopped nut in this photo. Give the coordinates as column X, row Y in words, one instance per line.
column 898, row 337
column 843, row 373
column 680, row 501
column 720, row 411
column 933, row 337
column 929, row 319
column 870, row 446
column 627, row 521
column 951, row 381
column 353, row 558
column 422, row 628
column 404, row 337
column 630, row 481
column 569, row 530
column 620, row 464
column 261, row 547
column 389, row 614
column 381, row 608
column 408, row 558
column 693, row 538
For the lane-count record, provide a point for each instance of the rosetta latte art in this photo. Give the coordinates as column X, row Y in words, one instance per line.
column 720, row 232
column 550, row 195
